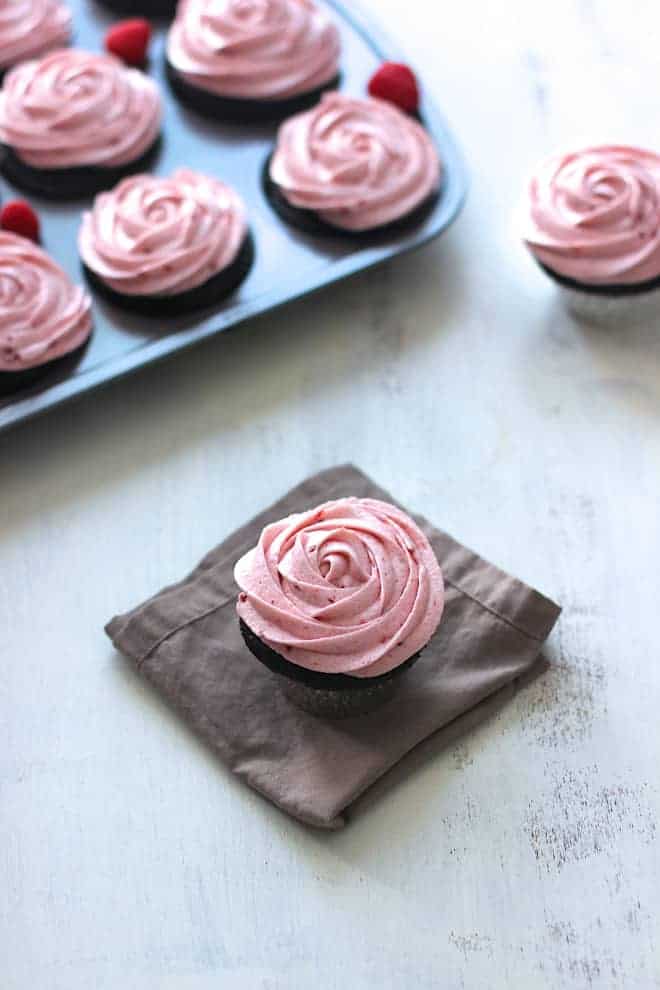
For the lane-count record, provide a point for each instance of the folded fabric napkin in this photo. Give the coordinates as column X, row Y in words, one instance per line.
column 186, row 641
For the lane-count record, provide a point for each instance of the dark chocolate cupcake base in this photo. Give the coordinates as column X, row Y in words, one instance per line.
column 142, row 8
column 12, row 382
column 328, row 695
column 237, row 111
column 634, row 289
column 309, row 222
column 70, row 183
column 210, row 293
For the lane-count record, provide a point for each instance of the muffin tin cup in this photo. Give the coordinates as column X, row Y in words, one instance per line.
column 12, row 382
column 309, row 222
column 72, row 183
column 238, row 111
column 209, row 293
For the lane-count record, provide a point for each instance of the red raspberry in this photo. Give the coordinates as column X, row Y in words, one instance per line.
column 18, row 217
column 397, row 84
column 129, row 40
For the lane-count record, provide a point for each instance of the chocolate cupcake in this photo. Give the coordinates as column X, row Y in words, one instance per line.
column 352, row 165
column 166, row 244
column 30, row 28
column 44, row 318
column 338, row 602
column 74, row 122
column 592, row 221
column 252, row 60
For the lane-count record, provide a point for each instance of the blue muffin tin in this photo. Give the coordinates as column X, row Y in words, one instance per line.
column 288, row 263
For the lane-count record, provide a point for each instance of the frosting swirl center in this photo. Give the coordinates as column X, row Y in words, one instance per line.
column 351, row 587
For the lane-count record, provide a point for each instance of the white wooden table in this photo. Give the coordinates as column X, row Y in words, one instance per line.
column 527, row 855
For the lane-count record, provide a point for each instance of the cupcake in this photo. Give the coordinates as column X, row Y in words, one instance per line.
column 30, row 28
column 353, row 165
column 592, row 222
column 74, row 122
column 159, row 244
column 339, row 601
column 248, row 60
column 44, row 317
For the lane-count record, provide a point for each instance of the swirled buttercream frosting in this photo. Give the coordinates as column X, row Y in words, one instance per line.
column 594, row 215
column 30, row 28
column 43, row 315
column 153, row 236
column 351, row 587
column 75, row 108
column 357, row 163
column 254, row 49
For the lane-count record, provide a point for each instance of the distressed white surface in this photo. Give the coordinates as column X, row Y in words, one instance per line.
column 527, row 856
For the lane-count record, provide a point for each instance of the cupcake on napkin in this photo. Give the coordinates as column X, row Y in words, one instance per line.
column 75, row 122
column 247, row 60
column 339, row 601
column 592, row 221
column 354, row 166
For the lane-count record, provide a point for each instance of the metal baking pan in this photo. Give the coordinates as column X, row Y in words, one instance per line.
column 288, row 264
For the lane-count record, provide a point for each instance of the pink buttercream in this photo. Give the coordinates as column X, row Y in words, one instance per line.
column 152, row 236
column 74, row 108
column 594, row 215
column 254, row 49
column 43, row 315
column 358, row 163
column 352, row 587
column 30, row 28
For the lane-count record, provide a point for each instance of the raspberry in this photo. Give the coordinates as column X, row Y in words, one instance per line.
column 129, row 40
column 397, row 84
column 18, row 217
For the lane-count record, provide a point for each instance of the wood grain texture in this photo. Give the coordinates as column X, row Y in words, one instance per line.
column 526, row 855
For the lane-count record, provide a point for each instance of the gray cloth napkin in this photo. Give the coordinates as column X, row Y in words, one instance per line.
column 186, row 641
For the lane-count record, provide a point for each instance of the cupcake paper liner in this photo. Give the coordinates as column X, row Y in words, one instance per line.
column 337, row 704
column 607, row 305
column 610, row 310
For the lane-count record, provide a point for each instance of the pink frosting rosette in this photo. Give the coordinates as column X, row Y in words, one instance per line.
column 43, row 315
column 352, row 587
column 30, row 28
column 358, row 163
column 594, row 215
column 75, row 108
column 153, row 236
column 254, row 49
